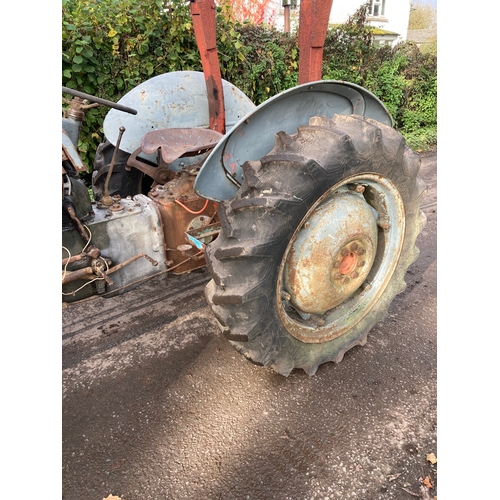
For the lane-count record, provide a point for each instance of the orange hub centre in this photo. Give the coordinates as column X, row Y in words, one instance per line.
column 348, row 263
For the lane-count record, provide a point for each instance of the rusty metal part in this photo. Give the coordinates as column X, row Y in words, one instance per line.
column 79, row 96
column 160, row 174
column 106, row 199
column 177, row 221
column 186, row 250
column 116, row 207
column 203, row 234
column 142, row 280
column 132, row 241
column 84, row 273
column 171, row 145
column 79, row 226
column 132, row 259
column 313, row 24
column 99, row 269
column 75, row 108
column 175, row 143
column 203, row 14
column 92, row 252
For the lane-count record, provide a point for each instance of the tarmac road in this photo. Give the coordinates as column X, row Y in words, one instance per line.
column 157, row 405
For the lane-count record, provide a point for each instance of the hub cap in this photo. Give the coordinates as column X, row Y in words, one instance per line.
column 341, row 258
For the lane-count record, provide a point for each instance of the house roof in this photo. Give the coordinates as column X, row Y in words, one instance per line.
column 421, row 36
column 379, row 31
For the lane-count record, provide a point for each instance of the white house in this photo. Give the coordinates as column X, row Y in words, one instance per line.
column 392, row 16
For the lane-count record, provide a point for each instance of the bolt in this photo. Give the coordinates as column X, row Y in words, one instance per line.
column 360, row 188
column 285, row 296
column 306, row 224
column 320, row 322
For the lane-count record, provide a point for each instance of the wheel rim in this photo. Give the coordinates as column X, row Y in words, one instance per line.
column 341, row 258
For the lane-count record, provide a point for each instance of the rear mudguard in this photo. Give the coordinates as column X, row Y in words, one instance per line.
column 254, row 135
column 171, row 100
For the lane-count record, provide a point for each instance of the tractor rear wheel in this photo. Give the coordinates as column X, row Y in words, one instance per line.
column 315, row 244
column 122, row 182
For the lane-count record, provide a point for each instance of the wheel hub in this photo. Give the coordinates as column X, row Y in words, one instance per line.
column 341, row 258
column 332, row 254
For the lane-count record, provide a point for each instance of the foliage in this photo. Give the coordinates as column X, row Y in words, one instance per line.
column 417, row 114
column 110, row 46
column 403, row 77
column 270, row 65
column 430, row 46
column 253, row 12
column 422, row 17
column 348, row 49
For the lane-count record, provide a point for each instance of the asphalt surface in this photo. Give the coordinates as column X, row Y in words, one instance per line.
column 158, row 405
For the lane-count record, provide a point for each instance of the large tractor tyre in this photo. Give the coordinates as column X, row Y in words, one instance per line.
column 122, row 182
column 315, row 244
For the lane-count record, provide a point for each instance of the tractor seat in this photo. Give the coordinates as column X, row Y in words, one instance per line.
column 175, row 143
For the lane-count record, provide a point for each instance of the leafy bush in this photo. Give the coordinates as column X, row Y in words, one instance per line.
column 110, row 46
column 403, row 78
column 349, row 49
column 270, row 65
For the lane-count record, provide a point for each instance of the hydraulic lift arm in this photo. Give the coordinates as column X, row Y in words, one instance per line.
column 203, row 14
column 313, row 24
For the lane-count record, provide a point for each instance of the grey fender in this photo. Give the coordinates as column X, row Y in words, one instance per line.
column 254, row 135
column 171, row 100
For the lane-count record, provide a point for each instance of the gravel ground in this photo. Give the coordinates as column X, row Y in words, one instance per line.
column 157, row 405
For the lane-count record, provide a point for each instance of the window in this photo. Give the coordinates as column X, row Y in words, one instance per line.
column 377, row 8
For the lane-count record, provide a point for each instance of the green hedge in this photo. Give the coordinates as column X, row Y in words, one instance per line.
column 110, row 46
